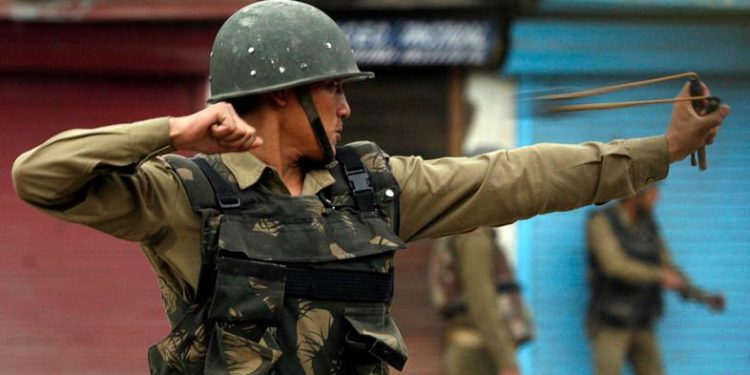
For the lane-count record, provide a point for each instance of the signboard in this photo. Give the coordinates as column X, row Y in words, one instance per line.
column 433, row 42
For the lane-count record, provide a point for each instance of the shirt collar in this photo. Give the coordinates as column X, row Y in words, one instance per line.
column 248, row 169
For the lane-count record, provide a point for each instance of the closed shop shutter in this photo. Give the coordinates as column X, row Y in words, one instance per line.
column 703, row 215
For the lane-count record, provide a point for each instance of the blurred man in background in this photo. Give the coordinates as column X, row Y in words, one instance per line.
column 630, row 266
column 477, row 295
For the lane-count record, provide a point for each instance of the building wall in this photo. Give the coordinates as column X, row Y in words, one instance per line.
column 74, row 300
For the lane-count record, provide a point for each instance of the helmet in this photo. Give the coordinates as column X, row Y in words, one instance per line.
column 278, row 44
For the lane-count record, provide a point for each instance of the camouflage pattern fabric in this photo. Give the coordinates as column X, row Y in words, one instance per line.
column 241, row 322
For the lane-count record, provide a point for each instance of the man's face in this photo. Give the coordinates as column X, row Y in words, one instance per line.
column 332, row 107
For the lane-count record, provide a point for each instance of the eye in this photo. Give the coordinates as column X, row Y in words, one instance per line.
column 335, row 85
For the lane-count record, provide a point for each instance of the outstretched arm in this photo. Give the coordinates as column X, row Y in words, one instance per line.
column 453, row 195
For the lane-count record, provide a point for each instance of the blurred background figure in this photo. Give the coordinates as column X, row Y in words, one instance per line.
column 629, row 268
column 479, row 300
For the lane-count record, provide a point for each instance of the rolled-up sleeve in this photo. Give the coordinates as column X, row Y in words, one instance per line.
column 453, row 195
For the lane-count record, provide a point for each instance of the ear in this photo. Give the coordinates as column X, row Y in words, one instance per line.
column 281, row 98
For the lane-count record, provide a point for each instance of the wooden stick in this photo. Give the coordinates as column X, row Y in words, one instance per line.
column 702, row 162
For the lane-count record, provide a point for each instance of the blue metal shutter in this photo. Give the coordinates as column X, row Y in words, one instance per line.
column 704, row 215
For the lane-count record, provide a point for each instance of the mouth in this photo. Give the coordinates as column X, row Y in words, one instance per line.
column 338, row 132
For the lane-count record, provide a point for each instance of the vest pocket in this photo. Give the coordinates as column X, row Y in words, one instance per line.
column 233, row 354
column 183, row 351
column 247, row 291
column 373, row 339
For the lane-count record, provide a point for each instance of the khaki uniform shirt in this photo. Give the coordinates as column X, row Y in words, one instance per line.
column 107, row 178
column 616, row 263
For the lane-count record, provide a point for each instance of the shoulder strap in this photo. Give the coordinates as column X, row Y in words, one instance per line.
column 204, row 186
column 206, row 189
column 227, row 197
column 358, row 178
column 194, row 181
column 370, row 180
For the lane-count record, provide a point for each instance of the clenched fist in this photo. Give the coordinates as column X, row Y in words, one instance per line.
column 215, row 129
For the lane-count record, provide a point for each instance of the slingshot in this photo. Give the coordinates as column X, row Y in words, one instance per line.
column 702, row 103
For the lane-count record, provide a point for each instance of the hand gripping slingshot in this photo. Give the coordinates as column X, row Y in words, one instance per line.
column 702, row 103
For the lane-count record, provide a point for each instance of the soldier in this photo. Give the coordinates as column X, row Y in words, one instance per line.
column 629, row 268
column 272, row 256
column 476, row 293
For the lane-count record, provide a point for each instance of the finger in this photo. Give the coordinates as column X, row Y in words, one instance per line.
column 712, row 136
column 685, row 92
column 251, row 143
column 716, row 118
column 724, row 111
column 236, row 136
column 222, row 129
column 241, row 134
column 239, row 140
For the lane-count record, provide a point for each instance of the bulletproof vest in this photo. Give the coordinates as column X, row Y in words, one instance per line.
column 290, row 285
column 616, row 302
column 448, row 296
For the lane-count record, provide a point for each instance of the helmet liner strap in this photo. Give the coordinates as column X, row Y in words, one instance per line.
column 305, row 99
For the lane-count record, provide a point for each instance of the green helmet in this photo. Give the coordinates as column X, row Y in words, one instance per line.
column 277, row 44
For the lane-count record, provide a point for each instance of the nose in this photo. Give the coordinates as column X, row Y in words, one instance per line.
column 343, row 110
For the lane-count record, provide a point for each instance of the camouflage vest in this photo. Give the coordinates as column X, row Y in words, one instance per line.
column 447, row 292
column 618, row 303
column 290, row 285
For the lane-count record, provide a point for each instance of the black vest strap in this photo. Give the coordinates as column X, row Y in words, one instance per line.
column 226, row 195
column 358, row 178
column 316, row 283
column 340, row 285
column 200, row 198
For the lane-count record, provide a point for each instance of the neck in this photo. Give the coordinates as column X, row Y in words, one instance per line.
column 275, row 153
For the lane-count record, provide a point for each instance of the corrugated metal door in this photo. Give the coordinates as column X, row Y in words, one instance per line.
column 703, row 217
column 75, row 301
column 703, row 214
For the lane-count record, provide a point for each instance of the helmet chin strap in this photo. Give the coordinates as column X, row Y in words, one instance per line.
column 305, row 99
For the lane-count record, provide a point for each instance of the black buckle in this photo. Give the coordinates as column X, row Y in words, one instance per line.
column 359, row 180
column 228, row 200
